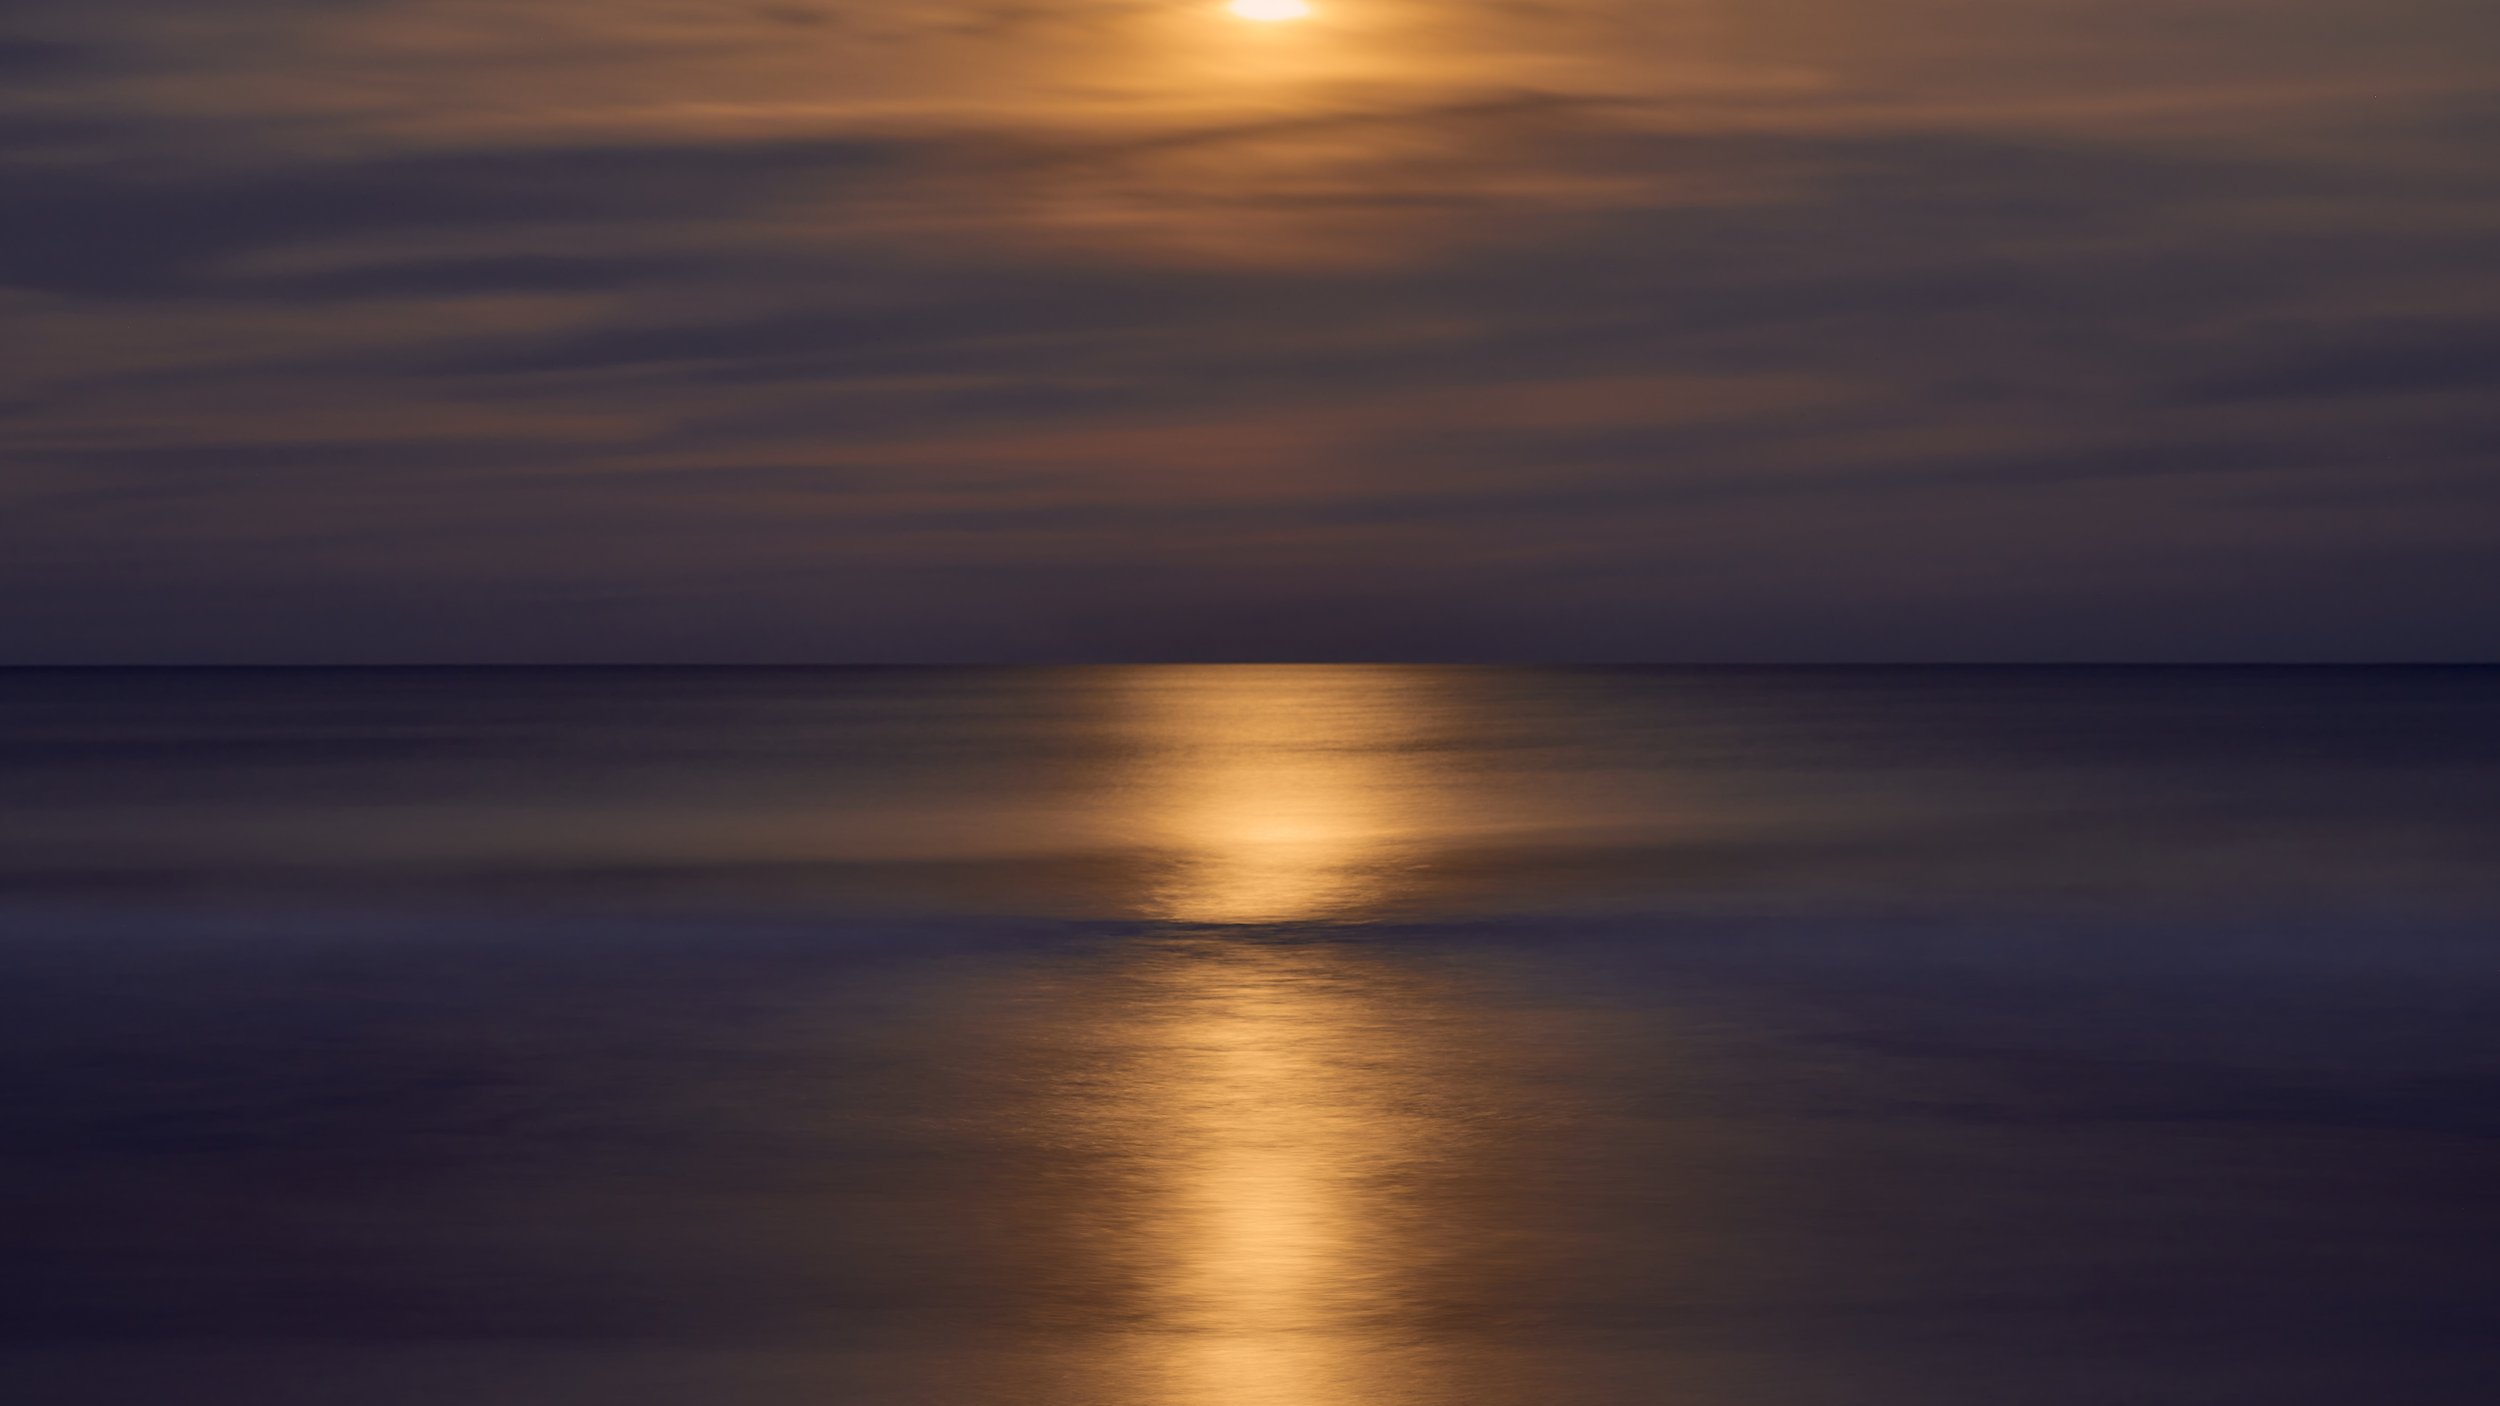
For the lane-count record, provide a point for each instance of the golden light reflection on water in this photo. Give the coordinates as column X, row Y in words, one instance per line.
column 1282, row 1098
column 1286, row 1100
column 1284, row 794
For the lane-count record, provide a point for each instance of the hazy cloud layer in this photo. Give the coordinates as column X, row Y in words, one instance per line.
column 1825, row 328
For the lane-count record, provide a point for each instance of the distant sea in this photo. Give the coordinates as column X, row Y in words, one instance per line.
column 1250, row 1036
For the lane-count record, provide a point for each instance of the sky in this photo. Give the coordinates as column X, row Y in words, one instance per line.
column 505, row 331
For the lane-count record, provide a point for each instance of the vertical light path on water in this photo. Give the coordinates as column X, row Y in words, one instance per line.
column 1283, row 1098
column 1280, row 1098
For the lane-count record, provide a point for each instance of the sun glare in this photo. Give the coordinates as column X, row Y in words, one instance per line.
column 1270, row 11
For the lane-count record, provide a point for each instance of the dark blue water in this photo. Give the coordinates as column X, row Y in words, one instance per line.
column 1250, row 1036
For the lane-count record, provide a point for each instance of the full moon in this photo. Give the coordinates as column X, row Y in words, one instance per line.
column 1270, row 11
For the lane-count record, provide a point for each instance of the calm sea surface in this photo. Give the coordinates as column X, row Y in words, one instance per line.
column 1250, row 1036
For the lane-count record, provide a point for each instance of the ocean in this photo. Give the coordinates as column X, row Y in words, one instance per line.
column 1250, row 1036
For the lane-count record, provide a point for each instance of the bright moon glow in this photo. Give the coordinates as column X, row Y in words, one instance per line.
column 1270, row 11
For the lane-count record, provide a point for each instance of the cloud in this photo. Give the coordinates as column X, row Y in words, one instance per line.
column 110, row 231
column 2370, row 361
column 24, row 59
column 1526, row 325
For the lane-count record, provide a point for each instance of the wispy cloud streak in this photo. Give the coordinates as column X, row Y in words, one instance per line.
column 936, row 330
